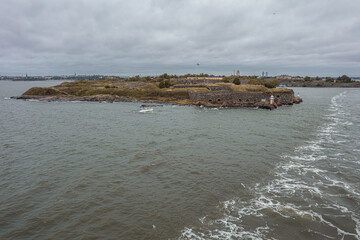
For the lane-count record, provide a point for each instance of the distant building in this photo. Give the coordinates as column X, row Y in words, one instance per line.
column 284, row 77
column 238, row 73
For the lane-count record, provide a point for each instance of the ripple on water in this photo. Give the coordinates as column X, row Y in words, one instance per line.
column 85, row 170
column 302, row 193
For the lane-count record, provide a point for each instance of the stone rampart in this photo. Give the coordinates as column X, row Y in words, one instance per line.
column 190, row 86
column 196, row 80
column 239, row 98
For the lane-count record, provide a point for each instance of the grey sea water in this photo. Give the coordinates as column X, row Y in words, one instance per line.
column 78, row 170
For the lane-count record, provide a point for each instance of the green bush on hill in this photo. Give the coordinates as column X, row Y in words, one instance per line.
column 307, row 79
column 165, row 83
column 272, row 84
column 344, row 79
column 236, row 81
column 269, row 84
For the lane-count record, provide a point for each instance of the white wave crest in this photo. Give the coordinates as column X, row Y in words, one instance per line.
column 299, row 190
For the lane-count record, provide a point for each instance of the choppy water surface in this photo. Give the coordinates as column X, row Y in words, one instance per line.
column 108, row 171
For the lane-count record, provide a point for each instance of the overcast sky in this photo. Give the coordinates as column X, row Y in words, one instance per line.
column 129, row 37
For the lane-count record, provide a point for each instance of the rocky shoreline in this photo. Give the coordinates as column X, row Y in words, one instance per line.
column 95, row 98
column 111, row 99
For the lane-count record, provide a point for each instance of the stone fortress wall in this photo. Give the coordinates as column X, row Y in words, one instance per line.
column 197, row 80
column 239, row 98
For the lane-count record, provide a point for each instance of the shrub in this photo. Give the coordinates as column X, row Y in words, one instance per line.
column 165, row 83
column 236, row 81
column 329, row 79
column 272, row 84
column 344, row 79
column 226, row 79
column 268, row 84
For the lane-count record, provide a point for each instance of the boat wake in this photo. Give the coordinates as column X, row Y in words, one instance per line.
column 146, row 110
column 308, row 197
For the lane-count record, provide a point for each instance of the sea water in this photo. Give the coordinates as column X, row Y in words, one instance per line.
column 77, row 170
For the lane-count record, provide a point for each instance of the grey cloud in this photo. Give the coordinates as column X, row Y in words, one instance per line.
column 147, row 37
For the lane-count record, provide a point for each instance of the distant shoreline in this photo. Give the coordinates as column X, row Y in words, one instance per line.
column 319, row 84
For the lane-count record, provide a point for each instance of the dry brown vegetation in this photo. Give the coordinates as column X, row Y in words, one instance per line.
column 137, row 90
column 258, row 88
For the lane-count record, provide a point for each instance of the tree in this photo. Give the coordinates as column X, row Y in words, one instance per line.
column 329, row 79
column 226, row 79
column 165, row 83
column 272, row 84
column 344, row 79
column 269, row 84
column 307, row 79
column 147, row 78
column 236, row 81
column 164, row 76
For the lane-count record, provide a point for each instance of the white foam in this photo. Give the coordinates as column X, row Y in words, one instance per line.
column 188, row 234
column 232, row 231
column 289, row 181
column 357, row 221
column 313, row 146
column 146, row 110
column 202, row 220
column 308, row 157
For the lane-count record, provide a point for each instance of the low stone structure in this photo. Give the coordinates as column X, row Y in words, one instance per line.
column 243, row 99
column 211, row 87
column 189, row 86
column 197, row 80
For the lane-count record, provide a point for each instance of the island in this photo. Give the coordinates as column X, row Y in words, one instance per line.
column 207, row 91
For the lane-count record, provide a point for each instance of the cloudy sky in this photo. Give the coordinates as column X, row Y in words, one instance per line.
column 123, row 37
